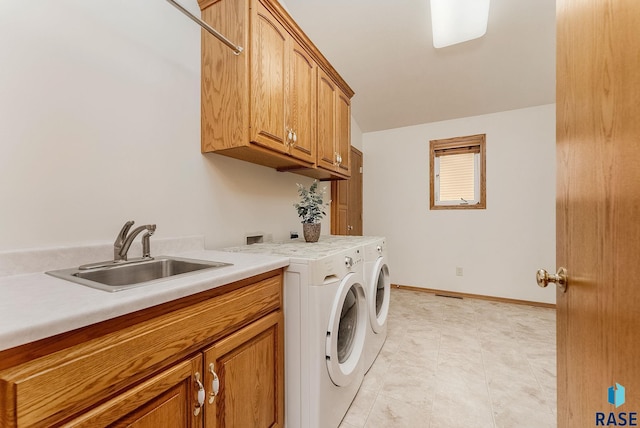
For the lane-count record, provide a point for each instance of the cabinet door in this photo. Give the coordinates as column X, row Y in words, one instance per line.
column 346, row 195
column 225, row 89
column 354, row 211
column 249, row 367
column 340, row 207
column 326, row 121
column 302, row 104
column 166, row 400
column 343, row 132
column 269, row 85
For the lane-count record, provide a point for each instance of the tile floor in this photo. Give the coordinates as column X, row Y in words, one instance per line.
column 451, row 363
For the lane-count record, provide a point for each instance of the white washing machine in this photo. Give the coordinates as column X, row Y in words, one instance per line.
column 377, row 289
column 378, row 295
column 326, row 322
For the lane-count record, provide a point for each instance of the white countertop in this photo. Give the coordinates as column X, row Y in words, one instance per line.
column 35, row 306
column 298, row 249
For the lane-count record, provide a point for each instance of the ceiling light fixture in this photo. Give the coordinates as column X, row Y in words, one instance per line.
column 456, row 21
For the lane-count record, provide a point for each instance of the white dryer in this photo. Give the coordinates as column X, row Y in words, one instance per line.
column 377, row 288
column 326, row 322
column 378, row 295
column 333, row 327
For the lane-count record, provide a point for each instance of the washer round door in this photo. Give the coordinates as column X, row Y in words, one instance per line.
column 379, row 295
column 346, row 331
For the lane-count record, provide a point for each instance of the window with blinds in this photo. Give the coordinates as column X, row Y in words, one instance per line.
column 458, row 173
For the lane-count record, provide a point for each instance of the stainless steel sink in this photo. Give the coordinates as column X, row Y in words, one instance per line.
column 117, row 276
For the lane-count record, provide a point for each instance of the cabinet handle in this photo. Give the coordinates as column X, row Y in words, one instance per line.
column 196, row 411
column 295, row 138
column 290, row 136
column 215, row 384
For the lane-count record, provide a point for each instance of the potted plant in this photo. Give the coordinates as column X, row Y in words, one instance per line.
column 311, row 210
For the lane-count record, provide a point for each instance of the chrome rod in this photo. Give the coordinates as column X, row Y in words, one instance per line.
column 209, row 28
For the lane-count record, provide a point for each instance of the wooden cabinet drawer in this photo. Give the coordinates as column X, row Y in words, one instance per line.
column 166, row 400
column 55, row 387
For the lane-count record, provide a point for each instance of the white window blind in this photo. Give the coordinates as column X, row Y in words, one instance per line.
column 457, row 177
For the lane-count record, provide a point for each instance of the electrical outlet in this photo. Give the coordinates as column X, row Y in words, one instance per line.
column 458, row 271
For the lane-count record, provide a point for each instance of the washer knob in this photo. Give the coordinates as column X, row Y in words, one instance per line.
column 348, row 262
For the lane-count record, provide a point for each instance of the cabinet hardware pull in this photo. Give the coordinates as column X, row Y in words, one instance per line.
column 215, row 384
column 295, row 138
column 290, row 136
column 201, row 394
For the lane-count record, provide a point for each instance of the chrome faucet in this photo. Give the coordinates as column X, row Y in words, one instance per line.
column 122, row 244
column 124, row 241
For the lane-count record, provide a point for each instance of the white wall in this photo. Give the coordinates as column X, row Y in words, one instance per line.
column 499, row 248
column 356, row 134
column 100, row 123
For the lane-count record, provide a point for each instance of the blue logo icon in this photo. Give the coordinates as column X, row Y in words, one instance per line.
column 616, row 395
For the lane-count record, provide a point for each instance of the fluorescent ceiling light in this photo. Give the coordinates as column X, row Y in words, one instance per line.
column 456, row 21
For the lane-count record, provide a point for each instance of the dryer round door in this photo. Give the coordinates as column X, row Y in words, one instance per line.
column 379, row 295
column 346, row 331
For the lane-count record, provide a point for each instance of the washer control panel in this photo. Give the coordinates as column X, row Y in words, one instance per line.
column 353, row 260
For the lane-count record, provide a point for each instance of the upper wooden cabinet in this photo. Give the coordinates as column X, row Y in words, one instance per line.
column 283, row 77
column 301, row 109
column 334, row 121
column 262, row 106
column 268, row 83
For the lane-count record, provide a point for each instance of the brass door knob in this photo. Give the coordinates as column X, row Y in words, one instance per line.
column 543, row 278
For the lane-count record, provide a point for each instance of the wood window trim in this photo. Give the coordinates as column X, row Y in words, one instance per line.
column 468, row 144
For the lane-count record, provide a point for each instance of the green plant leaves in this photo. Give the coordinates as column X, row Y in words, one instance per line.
column 311, row 206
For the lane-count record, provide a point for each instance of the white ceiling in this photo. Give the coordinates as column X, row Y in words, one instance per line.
column 384, row 50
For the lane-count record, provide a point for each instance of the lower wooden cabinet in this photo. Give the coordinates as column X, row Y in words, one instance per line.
column 167, row 400
column 213, row 362
column 239, row 380
column 248, row 366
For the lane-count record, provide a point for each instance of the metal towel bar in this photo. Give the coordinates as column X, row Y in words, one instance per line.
column 236, row 49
